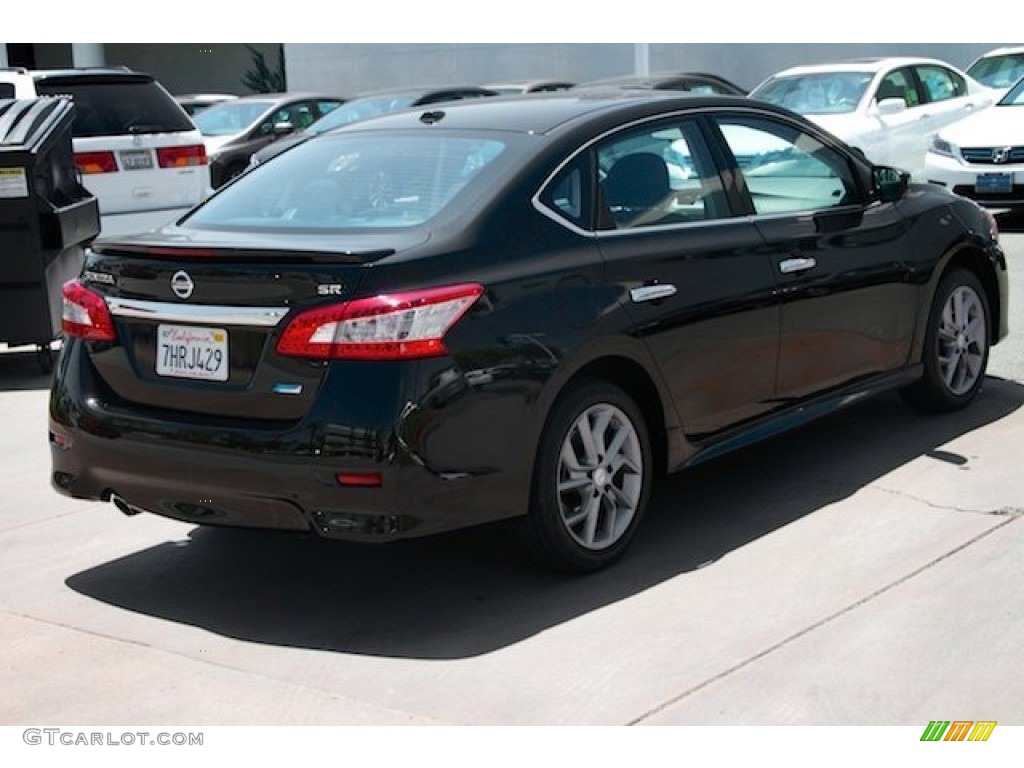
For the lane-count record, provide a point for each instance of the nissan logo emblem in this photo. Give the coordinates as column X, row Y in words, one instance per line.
column 182, row 284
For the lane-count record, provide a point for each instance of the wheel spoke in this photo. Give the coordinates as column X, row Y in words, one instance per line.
column 590, row 449
column 975, row 329
column 571, row 462
column 592, row 513
column 573, row 482
column 621, row 498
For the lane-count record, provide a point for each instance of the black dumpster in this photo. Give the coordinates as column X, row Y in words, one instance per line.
column 46, row 219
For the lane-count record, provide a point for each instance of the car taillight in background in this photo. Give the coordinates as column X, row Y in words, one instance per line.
column 85, row 314
column 96, row 162
column 399, row 326
column 181, row 157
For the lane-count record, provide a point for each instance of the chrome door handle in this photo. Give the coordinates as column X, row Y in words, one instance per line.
column 800, row 264
column 652, row 292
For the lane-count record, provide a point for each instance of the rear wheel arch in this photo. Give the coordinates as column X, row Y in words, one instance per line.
column 633, row 379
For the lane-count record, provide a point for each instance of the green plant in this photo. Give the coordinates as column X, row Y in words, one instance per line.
column 261, row 78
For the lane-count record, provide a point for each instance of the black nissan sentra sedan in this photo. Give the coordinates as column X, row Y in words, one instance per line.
column 524, row 308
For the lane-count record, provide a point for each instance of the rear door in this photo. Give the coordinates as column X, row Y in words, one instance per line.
column 694, row 278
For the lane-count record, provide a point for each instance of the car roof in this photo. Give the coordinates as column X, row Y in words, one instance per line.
column 527, row 85
column 543, row 112
column 289, row 96
column 662, row 81
column 205, row 96
column 85, row 73
column 1004, row 51
column 423, row 90
column 876, row 64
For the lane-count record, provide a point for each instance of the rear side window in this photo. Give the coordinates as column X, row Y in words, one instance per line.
column 659, row 175
column 940, row 83
column 6, row 90
column 118, row 106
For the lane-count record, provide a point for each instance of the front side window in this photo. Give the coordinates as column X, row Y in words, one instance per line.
column 352, row 182
column 786, row 170
column 898, row 84
column 229, row 118
column 659, row 176
column 298, row 116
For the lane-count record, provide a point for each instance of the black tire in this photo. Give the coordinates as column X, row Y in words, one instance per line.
column 956, row 345
column 591, row 480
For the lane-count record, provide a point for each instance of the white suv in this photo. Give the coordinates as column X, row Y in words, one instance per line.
column 136, row 148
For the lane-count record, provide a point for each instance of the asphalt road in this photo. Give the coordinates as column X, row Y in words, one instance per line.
column 865, row 570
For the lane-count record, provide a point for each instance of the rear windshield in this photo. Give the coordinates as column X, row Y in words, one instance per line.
column 118, row 106
column 341, row 182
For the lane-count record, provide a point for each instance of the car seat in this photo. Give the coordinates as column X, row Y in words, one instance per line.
column 635, row 185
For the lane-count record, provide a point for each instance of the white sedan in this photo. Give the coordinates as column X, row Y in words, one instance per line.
column 888, row 108
column 982, row 157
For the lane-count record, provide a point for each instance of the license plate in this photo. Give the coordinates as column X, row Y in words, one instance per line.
column 190, row 352
column 997, row 183
column 136, row 159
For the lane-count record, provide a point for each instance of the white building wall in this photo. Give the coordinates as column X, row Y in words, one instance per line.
column 349, row 68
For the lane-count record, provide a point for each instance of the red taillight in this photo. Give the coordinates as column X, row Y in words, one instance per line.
column 85, row 314
column 181, row 157
column 96, row 162
column 397, row 326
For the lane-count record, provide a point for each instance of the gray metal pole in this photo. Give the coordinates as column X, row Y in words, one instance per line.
column 642, row 59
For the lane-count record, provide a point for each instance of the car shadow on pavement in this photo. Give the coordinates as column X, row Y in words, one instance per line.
column 23, row 368
column 471, row 592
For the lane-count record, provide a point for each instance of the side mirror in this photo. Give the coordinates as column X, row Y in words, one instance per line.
column 283, row 129
column 891, row 106
column 891, row 184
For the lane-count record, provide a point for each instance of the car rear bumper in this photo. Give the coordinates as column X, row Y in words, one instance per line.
column 364, row 480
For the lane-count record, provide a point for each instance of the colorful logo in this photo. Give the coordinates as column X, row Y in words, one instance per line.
column 958, row 730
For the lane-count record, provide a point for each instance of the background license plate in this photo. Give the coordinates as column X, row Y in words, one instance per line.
column 994, row 182
column 136, row 159
column 189, row 352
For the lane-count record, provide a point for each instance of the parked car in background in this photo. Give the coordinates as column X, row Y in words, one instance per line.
column 999, row 69
column 694, row 82
column 136, row 148
column 518, row 308
column 528, row 86
column 889, row 108
column 371, row 104
column 982, row 156
column 196, row 102
column 233, row 130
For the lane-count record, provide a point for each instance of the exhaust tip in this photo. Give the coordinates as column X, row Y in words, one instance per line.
column 124, row 506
